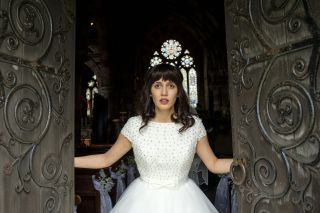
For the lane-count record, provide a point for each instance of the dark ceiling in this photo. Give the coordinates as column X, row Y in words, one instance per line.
column 121, row 26
column 127, row 32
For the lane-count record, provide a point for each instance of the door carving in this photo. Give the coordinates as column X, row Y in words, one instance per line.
column 36, row 105
column 274, row 82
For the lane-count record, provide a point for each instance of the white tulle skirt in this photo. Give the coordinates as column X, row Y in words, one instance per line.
column 141, row 197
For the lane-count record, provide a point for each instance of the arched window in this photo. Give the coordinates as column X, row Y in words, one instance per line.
column 173, row 53
column 91, row 90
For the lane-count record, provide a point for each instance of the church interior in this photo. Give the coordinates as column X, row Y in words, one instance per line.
column 116, row 43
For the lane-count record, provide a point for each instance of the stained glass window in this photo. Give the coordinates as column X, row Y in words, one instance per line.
column 91, row 90
column 193, row 93
column 187, row 60
column 185, row 79
column 155, row 59
column 171, row 49
column 173, row 53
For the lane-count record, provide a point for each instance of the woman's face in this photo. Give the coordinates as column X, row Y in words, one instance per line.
column 164, row 95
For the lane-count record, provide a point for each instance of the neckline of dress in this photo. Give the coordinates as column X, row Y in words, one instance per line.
column 161, row 123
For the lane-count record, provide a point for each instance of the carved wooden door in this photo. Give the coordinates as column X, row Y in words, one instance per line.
column 36, row 105
column 274, row 81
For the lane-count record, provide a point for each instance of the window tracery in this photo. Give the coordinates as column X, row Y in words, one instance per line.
column 173, row 53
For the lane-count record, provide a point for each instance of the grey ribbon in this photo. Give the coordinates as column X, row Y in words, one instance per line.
column 130, row 174
column 120, row 182
column 106, row 203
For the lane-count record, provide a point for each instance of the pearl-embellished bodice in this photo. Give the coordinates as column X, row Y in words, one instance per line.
column 163, row 155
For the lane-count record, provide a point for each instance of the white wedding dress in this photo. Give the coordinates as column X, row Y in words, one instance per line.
column 164, row 157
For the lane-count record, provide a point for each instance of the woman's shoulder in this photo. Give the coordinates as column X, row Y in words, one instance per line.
column 198, row 123
column 196, row 118
column 134, row 119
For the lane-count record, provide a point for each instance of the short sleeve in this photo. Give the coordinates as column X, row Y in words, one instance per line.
column 201, row 130
column 128, row 130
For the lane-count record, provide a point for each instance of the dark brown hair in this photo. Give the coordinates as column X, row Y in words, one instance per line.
column 146, row 107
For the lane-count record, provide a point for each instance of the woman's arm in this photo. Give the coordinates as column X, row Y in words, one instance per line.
column 98, row 161
column 214, row 165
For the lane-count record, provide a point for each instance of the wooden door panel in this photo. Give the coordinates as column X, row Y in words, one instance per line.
column 36, row 104
column 273, row 57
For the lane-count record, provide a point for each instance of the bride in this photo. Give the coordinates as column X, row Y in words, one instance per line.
column 164, row 137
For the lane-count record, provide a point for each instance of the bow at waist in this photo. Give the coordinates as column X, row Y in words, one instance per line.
column 169, row 184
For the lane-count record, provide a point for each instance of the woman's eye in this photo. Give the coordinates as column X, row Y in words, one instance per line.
column 172, row 86
column 157, row 86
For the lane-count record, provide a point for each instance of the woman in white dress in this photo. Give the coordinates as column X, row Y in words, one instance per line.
column 165, row 137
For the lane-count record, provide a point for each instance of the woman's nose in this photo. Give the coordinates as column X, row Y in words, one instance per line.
column 164, row 91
